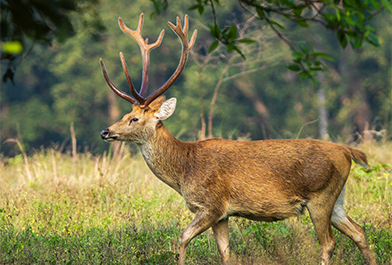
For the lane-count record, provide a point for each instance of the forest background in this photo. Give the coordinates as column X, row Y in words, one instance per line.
column 257, row 98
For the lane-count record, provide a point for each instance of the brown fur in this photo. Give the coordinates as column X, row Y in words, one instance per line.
column 260, row 180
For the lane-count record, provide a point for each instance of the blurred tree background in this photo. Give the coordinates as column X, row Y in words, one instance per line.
column 219, row 94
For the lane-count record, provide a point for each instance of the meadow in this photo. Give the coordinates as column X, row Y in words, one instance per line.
column 64, row 208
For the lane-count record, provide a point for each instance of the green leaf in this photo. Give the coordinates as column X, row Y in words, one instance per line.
column 272, row 22
column 376, row 4
column 358, row 43
column 337, row 11
column 289, row 3
column 213, row 46
column 302, row 23
column 323, row 55
column 387, row 4
column 239, row 52
column 342, row 38
column 12, row 47
column 298, row 10
column 352, row 34
column 349, row 21
column 361, row 19
column 303, row 74
column 194, row 7
column 215, row 31
column 260, row 12
column 298, row 55
column 159, row 7
column 370, row 28
column 246, row 41
column 232, row 32
column 201, row 9
column 294, row 67
column 230, row 47
column 373, row 39
column 303, row 48
column 348, row 3
column 352, row 42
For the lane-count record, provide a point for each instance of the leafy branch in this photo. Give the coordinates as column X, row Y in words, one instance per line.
column 348, row 18
column 25, row 21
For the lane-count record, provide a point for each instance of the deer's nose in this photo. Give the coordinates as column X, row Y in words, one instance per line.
column 105, row 133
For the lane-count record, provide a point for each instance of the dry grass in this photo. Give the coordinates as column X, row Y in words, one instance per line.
column 113, row 210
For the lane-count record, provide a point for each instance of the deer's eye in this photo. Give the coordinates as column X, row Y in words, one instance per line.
column 133, row 120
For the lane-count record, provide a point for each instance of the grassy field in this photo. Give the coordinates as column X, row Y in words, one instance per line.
column 60, row 209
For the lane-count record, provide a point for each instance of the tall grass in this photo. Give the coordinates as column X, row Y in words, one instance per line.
column 114, row 211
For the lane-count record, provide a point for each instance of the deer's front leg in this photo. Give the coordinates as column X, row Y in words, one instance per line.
column 201, row 222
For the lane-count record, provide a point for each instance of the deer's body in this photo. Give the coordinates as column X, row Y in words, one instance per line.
column 261, row 180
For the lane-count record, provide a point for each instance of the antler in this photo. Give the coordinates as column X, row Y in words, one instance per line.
column 145, row 49
column 186, row 47
column 113, row 87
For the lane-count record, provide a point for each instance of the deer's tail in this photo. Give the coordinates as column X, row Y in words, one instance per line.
column 359, row 157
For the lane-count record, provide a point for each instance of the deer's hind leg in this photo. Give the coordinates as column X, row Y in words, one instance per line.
column 342, row 222
column 221, row 234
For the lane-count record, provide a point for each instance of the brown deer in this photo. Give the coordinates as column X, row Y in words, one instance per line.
column 260, row 180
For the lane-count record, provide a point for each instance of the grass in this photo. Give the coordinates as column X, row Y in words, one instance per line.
column 59, row 209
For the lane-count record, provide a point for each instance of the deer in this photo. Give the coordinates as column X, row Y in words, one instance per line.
column 264, row 180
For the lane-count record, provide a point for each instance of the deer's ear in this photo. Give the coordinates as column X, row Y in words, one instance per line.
column 166, row 110
column 156, row 104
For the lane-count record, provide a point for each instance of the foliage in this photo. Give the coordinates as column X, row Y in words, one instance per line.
column 26, row 22
column 113, row 210
column 349, row 19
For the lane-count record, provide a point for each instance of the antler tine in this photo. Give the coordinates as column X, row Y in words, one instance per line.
column 145, row 49
column 146, row 62
column 135, row 34
column 186, row 25
column 113, row 87
column 186, row 47
column 130, row 84
column 193, row 39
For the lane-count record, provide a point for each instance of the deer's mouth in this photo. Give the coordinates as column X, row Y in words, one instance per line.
column 108, row 136
column 111, row 139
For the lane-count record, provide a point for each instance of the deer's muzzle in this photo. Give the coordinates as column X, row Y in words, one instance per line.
column 107, row 136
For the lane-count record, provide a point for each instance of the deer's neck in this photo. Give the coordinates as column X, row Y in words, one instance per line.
column 167, row 157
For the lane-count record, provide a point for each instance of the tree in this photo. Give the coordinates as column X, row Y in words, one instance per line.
column 27, row 22
column 348, row 18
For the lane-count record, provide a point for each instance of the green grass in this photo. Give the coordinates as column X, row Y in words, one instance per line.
column 58, row 210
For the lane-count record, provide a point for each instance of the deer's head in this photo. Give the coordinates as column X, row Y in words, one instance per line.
column 140, row 124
